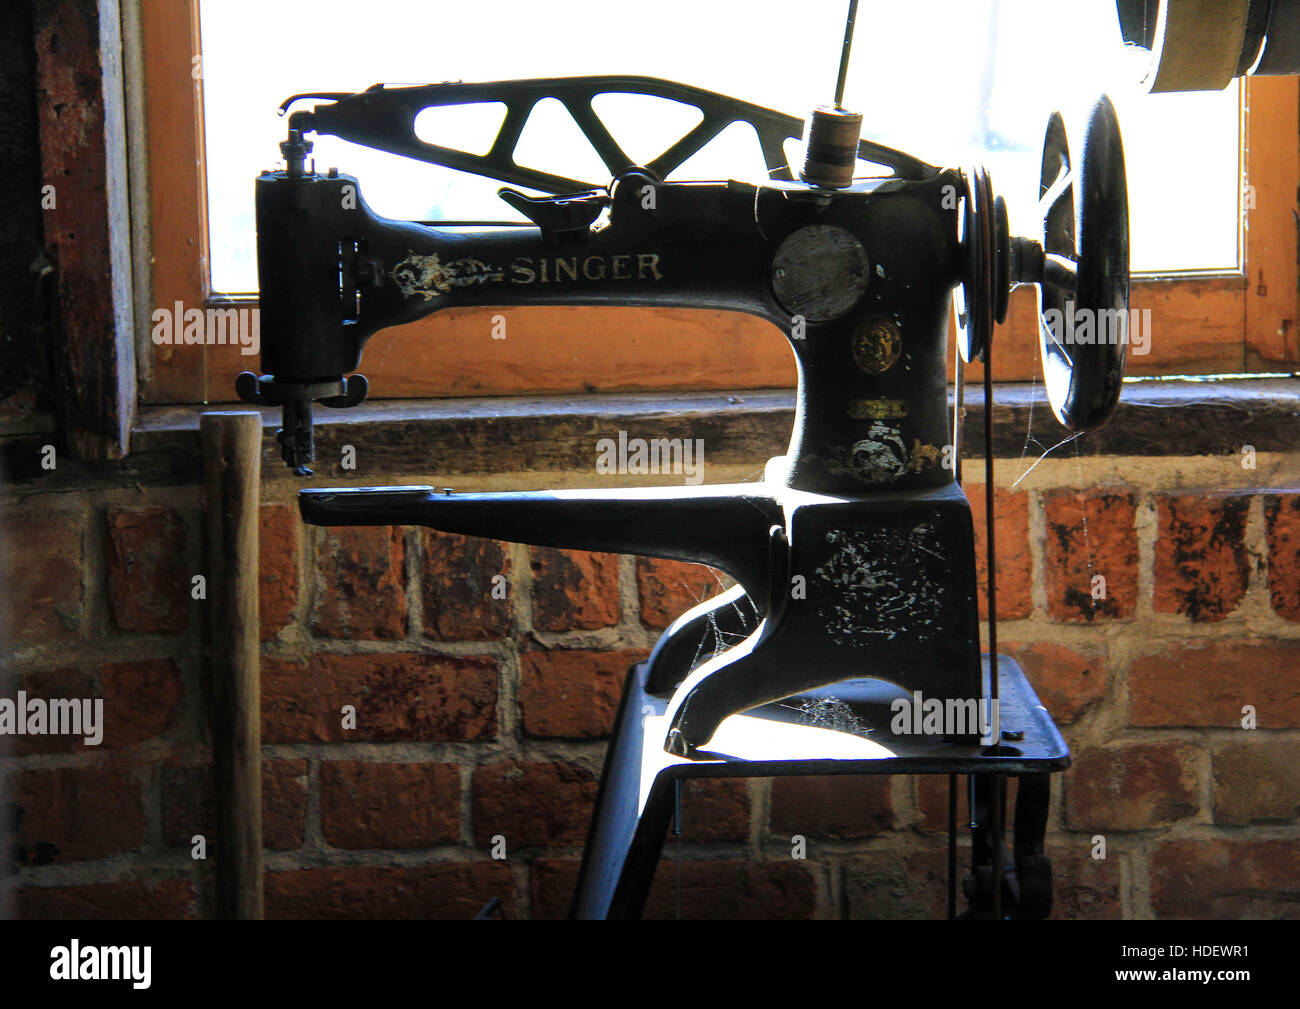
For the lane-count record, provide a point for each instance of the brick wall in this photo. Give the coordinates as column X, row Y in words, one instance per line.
column 478, row 716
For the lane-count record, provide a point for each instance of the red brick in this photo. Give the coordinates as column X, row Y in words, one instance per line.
column 667, row 589
column 284, row 803
column 141, row 700
column 398, row 697
column 1282, row 525
column 1225, row 879
column 1088, row 535
column 74, row 814
column 1257, row 781
column 1011, row 540
column 572, row 693
column 1131, row 786
column 148, row 584
column 48, row 685
column 461, row 601
column 731, row 891
column 366, row 805
column 277, row 582
column 42, row 557
column 574, row 590
column 1209, row 686
column 128, row 900
column 893, row 886
column 189, row 805
column 363, row 592
column 715, row 809
column 1069, row 681
column 833, row 805
column 932, row 801
column 1201, row 567
column 1083, row 887
column 450, row 891
column 553, row 883
column 890, row 885
column 532, row 804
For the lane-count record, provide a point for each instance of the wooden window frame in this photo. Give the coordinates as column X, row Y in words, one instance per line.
column 1222, row 323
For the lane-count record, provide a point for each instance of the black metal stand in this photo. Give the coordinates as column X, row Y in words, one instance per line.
column 636, row 800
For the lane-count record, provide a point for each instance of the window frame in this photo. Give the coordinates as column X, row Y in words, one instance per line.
column 1203, row 324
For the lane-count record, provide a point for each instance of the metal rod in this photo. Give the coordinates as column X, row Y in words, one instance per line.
column 958, row 404
column 958, row 408
column 677, row 832
column 993, row 608
column 952, row 846
column 988, row 523
column 844, row 56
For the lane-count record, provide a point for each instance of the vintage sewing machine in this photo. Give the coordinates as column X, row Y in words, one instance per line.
column 854, row 557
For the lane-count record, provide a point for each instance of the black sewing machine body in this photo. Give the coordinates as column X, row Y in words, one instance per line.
column 879, row 577
column 854, row 557
column 859, row 281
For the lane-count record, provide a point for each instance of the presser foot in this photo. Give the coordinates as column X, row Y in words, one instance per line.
column 295, row 436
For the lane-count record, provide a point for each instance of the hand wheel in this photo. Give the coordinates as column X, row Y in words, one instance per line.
column 1080, row 268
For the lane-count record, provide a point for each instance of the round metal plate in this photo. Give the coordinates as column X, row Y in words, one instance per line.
column 819, row 272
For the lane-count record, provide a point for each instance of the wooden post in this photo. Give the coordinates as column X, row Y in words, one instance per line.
column 232, row 462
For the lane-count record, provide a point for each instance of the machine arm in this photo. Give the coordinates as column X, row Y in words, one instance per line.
column 384, row 118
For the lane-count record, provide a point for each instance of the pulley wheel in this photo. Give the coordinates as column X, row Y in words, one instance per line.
column 1084, row 290
column 981, row 297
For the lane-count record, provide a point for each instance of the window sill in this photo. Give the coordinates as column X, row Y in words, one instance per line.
column 495, row 440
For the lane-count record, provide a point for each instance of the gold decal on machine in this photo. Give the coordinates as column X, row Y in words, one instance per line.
column 877, row 409
column 428, row 276
column 876, row 345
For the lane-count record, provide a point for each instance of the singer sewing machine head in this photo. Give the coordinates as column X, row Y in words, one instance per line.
column 855, row 554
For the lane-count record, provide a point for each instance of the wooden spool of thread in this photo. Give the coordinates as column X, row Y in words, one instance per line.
column 831, row 153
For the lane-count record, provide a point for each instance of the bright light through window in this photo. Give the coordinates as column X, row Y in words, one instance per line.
column 949, row 81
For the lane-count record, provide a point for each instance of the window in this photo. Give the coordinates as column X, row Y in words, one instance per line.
column 1198, row 166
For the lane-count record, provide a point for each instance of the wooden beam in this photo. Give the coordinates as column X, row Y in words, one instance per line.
column 81, row 118
column 232, row 462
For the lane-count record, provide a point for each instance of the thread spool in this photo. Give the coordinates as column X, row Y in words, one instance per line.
column 831, row 153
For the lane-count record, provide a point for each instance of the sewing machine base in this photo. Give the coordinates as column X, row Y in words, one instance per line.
column 639, row 786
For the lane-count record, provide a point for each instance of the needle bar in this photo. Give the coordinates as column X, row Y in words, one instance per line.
column 844, row 56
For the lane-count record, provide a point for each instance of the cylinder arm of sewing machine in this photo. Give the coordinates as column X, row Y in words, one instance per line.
column 727, row 526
